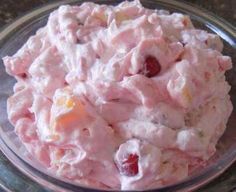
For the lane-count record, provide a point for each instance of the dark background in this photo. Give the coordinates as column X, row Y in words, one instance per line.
column 15, row 181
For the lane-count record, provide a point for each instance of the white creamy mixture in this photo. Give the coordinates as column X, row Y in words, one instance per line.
column 120, row 96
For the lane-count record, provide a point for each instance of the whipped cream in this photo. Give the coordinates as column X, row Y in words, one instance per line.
column 120, row 97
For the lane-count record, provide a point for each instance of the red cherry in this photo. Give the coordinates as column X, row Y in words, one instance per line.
column 151, row 67
column 185, row 22
column 23, row 75
column 129, row 166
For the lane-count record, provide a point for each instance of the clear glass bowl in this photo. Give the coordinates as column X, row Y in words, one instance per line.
column 15, row 35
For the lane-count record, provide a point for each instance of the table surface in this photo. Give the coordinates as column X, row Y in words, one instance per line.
column 14, row 180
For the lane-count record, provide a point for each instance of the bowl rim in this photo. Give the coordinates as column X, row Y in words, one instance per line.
column 211, row 20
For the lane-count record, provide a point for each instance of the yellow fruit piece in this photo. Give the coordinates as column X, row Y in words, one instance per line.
column 101, row 16
column 187, row 94
column 70, row 103
column 121, row 17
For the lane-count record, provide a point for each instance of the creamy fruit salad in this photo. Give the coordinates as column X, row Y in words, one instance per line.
column 121, row 97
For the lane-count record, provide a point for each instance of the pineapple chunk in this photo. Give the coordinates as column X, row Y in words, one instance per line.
column 120, row 17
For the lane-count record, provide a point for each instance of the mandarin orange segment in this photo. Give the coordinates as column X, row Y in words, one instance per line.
column 76, row 113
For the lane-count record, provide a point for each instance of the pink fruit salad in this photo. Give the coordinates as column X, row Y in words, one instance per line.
column 120, row 97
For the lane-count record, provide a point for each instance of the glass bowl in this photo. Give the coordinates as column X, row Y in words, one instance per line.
column 15, row 35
